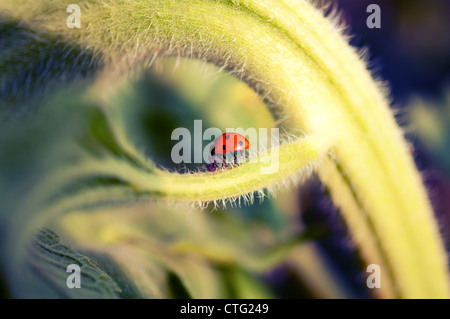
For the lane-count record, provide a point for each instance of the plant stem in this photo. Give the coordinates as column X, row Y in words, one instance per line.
column 312, row 80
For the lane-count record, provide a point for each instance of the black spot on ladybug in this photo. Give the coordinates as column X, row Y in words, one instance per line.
column 241, row 143
column 223, row 147
column 228, row 136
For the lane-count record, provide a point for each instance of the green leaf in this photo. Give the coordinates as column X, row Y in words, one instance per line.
column 156, row 246
column 46, row 271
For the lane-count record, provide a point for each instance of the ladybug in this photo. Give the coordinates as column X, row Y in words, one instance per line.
column 229, row 142
column 225, row 144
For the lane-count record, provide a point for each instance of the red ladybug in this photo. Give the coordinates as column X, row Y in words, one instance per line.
column 224, row 144
column 230, row 142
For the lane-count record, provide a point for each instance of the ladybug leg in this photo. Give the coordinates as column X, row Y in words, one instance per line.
column 203, row 167
column 212, row 167
column 179, row 169
column 229, row 162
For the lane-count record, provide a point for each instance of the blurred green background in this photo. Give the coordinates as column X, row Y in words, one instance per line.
column 291, row 246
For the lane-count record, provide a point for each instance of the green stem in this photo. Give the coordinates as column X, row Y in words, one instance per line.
column 313, row 81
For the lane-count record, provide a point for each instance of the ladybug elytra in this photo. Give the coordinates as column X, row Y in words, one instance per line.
column 225, row 144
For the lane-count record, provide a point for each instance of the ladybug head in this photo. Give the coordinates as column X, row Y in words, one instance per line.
column 213, row 151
